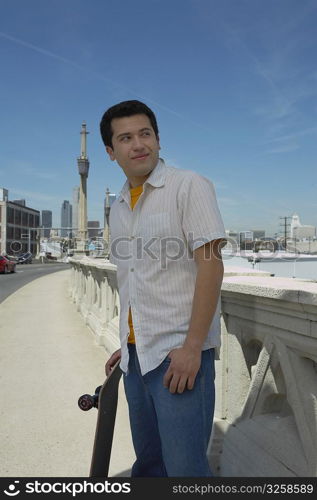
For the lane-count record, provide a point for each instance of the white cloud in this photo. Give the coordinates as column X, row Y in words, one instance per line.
column 35, row 172
column 33, row 195
column 289, row 142
column 284, row 148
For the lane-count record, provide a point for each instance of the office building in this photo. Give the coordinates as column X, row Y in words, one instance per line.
column 258, row 234
column 4, row 194
column 93, row 228
column 66, row 219
column 46, row 223
column 19, row 202
column 18, row 226
column 245, row 240
column 300, row 231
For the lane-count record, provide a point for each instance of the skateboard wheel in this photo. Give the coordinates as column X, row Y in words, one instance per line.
column 86, row 402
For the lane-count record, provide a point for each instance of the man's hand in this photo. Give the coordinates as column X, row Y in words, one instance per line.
column 112, row 361
column 183, row 369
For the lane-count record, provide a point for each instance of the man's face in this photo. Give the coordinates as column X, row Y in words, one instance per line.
column 135, row 147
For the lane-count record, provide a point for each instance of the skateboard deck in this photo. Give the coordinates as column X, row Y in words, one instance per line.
column 106, row 400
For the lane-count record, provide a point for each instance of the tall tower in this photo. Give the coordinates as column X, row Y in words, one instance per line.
column 83, row 168
column 106, row 219
column 109, row 199
column 295, row 223
column 76, row 191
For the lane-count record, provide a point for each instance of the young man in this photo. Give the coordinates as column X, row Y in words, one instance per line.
column 166, row 233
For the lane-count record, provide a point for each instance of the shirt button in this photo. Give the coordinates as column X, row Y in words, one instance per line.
column 132, row 269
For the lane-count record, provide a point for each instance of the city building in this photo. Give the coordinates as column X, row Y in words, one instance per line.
column 46, row 223
column 301, row 232
column 232, row 234
column 245, row 240
column 4, row 194
column 93, row 228
column 18, row 226
column 232, row 243
column 19, row 202
column 66, row 219
column 258, row 234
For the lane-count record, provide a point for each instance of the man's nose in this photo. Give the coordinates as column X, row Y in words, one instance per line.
column 137, row 143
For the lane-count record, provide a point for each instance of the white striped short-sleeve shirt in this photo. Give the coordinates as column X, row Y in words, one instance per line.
column 152, row 247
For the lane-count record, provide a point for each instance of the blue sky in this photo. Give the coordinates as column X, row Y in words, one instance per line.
column 233, row 84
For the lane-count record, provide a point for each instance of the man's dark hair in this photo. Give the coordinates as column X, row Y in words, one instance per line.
column 121, row 110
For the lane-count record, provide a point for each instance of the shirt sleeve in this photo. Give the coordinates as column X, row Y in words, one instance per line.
column 201, row 219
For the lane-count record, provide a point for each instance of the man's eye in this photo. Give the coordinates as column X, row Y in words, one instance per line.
column 125, row 138
column 147, row 132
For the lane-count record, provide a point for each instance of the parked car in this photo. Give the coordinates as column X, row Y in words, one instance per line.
column 25, row 258
column 6, row 265
column 49, row 256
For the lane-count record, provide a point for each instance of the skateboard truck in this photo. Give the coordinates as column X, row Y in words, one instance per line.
column 86, row 401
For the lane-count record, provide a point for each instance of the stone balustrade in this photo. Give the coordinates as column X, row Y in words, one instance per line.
column 267, row 378
column 266, row 374
column 93, row 288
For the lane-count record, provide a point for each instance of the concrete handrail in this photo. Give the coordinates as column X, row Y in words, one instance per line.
column 266, row 374
column 267, row 378
column 93, row 288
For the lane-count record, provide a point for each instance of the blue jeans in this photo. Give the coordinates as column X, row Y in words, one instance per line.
column 170, row 432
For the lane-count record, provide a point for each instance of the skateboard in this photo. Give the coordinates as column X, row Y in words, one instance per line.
column 105, row 400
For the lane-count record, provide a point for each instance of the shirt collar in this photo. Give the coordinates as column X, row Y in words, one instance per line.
column 155, row 179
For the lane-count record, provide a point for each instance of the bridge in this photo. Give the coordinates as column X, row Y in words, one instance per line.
column 58, row 331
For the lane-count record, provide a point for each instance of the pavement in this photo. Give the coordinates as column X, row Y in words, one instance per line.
column 49, row 358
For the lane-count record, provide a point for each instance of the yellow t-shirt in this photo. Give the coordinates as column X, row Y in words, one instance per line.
column 135, row 194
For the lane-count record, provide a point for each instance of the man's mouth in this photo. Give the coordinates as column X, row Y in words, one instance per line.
column 140, row 157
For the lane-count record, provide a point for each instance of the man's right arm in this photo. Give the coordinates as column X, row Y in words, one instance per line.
column 112, row 361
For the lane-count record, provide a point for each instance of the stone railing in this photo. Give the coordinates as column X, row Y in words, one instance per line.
column 266, row 374
column 93, row 288
column 266, row 405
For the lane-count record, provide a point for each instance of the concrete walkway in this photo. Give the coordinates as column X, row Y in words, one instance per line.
column 48, row 358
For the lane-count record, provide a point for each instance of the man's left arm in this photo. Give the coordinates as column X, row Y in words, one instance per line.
column 185, row 361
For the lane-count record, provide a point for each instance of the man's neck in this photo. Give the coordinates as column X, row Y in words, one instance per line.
column 137, row 181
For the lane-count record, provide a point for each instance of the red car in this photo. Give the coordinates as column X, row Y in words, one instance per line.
column 6, row 265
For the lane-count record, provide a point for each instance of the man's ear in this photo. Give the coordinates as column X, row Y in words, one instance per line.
column 110, row 153
column 158, row 140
